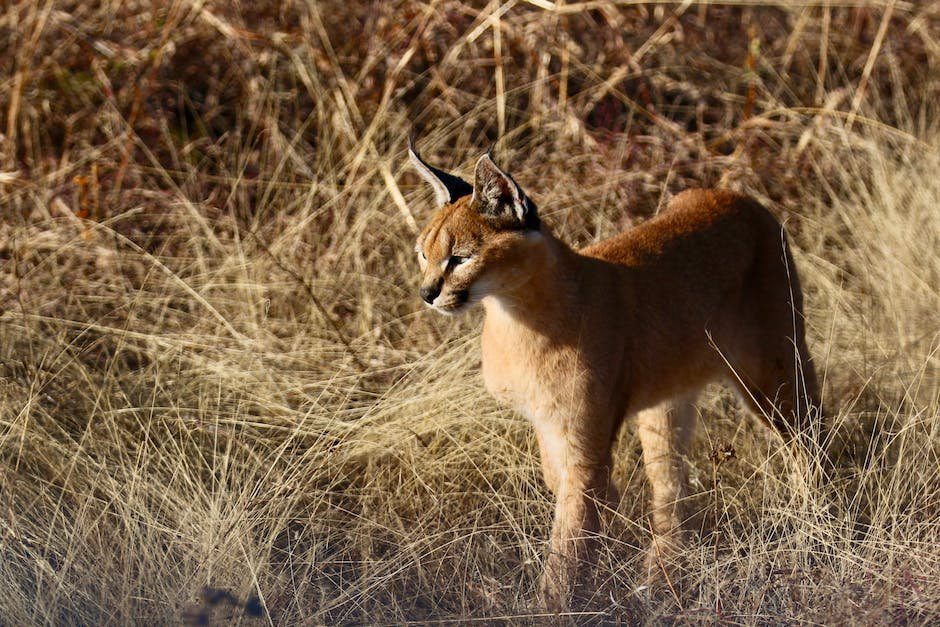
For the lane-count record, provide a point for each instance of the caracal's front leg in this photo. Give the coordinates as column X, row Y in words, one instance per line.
column 665, row 432
column 577, row 469
column 551, row 439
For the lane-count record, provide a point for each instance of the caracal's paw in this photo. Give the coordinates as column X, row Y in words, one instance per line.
column 663, row 560
column 556, row 585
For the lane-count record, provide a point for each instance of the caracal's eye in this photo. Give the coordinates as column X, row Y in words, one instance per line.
column 457, row 260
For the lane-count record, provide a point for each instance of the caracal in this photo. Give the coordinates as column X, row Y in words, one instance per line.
column 633, row 325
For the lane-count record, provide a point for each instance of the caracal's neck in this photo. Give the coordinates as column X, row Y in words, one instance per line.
column 544, row 295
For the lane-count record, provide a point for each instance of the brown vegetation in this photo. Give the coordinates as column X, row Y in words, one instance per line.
column 220, row 397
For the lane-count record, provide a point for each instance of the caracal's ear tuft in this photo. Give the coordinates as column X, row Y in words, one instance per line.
column 447, row 187
column 496, row 195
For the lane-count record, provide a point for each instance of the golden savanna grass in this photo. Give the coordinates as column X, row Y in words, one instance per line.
column 220, row 398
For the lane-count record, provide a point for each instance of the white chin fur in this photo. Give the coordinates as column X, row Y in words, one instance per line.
column 447, row 312
column 451, row 311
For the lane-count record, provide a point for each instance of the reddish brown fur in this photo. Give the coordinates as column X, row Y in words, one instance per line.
column 635, row 324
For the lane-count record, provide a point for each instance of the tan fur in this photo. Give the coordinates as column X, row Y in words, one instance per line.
column 633, row 325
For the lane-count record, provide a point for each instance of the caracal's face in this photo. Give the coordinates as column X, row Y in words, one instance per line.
column 477, row 244
column 465, row 257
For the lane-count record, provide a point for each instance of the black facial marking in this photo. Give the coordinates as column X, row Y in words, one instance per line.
column 456, row 260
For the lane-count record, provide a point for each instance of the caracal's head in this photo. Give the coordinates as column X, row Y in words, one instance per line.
column 477, row 243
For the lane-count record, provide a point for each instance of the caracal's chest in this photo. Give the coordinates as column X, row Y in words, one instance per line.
column 523, row 369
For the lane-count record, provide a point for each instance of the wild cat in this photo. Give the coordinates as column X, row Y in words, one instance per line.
column 632, row 325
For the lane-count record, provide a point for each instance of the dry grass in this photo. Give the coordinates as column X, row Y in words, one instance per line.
column 220, row 399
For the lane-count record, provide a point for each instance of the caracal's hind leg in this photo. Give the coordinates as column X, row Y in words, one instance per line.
column 778, row 382
column 782, row 390
column 665, row 433
column 770, row 364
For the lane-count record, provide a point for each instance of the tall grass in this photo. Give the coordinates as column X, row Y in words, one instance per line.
column 222, row 401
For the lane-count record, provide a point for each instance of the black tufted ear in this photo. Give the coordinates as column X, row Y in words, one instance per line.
column 447, row 187
column 497, row 196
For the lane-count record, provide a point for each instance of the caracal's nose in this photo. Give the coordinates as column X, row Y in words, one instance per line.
column 429, row 293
